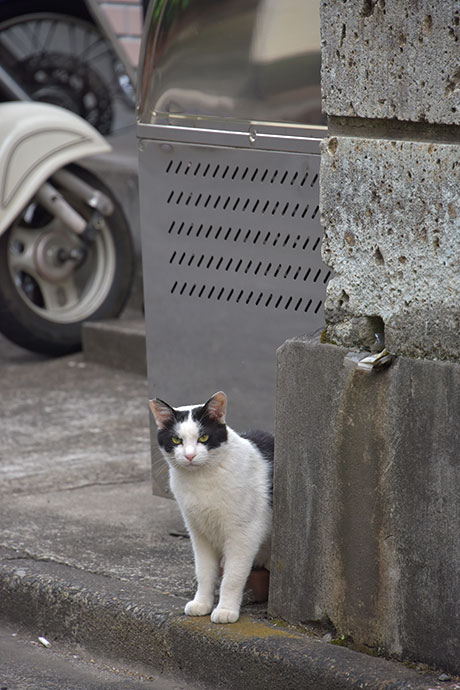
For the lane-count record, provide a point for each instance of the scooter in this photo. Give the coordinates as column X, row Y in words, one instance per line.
column 66, row 251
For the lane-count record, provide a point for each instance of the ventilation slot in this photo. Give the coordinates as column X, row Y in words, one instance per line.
column 242, row 228
column 237, row 173
column 247, row 297
column 242, row 204
column 248, row 267
column 237, row 234
column 304, row 179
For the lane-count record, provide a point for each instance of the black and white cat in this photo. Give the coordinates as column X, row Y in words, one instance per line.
column 222, row 482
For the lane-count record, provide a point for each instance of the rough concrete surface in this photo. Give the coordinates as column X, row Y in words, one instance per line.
column 86, row 555
column 52, row 411
column 391, row 59
column 368, row 472
column 132, row 527
column 391, row 214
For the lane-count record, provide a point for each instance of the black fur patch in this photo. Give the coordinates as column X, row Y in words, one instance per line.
column 216, row 431
column 165, row 435
column 265, row 443
column 164, row 440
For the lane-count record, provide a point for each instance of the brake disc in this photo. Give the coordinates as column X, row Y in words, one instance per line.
column 69, row 82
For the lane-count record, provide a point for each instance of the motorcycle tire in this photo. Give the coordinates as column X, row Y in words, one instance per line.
column 44, row 298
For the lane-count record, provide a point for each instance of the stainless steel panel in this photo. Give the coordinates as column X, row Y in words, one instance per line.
column 260, row 136
column 232, row 268
column 231, row 61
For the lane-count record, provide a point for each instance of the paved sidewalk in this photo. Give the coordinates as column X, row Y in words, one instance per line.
column 86, row 552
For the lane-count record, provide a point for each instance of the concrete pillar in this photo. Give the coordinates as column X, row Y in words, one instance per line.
column 390, row 175
column 367, row 467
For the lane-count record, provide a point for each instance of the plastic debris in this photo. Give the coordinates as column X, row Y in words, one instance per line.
column 376, row 361
column 352, row 359
column 44, row 642
column 366, row 362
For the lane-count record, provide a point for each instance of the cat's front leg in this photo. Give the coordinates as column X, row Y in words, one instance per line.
column 238, row 564
column 206, row 569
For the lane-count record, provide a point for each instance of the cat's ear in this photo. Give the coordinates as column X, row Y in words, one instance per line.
column 162, row 412
column 216, row 407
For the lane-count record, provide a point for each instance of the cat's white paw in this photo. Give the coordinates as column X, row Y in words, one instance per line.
column 197, row 608
column 221, row 615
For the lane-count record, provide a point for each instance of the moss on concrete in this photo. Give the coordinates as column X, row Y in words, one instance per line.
column 244, row 629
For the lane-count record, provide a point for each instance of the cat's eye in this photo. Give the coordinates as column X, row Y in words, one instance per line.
column 176, row 440
column 203, row 438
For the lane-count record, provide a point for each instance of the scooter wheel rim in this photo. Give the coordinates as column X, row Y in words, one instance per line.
column 79, row 293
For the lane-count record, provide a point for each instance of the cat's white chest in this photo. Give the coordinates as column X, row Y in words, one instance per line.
column 225, row 499
column 206, row 506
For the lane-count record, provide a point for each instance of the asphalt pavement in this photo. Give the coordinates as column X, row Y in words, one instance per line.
column 89, row 560
column 27, row 664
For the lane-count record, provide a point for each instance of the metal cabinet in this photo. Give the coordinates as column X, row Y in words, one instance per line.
column 229, row 124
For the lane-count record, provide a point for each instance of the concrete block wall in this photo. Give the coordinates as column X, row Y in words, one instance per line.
column 390, row 173
column 125, row 17
column 367, row 467
column 366, row 509
column 391, row 59
column 391, row 213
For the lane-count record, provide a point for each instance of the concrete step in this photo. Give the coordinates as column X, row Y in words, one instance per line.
column 116, row 343
column 135, row 623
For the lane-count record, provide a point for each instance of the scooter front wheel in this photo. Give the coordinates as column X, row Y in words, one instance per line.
column 51, row 282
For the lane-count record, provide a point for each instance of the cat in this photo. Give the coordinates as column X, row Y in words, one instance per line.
column 222, row 482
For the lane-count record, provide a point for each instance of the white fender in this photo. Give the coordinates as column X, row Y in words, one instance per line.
column 36, row 139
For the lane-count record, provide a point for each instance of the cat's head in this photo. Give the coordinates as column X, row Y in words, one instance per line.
column 189, row 436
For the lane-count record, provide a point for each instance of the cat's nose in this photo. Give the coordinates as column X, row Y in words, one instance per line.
column 190, row 456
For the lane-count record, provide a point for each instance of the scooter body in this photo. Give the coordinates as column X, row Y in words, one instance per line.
column 66, row 251
column 37, row 140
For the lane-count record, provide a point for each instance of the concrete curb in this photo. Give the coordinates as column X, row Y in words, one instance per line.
column 116, row 343
column 139, row 624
